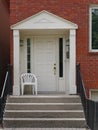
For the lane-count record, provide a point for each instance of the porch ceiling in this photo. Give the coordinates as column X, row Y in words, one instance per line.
column 44, row 32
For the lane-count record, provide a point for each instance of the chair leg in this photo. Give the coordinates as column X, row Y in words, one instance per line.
column 22, row 90
column 33, row 89
column 36, row 89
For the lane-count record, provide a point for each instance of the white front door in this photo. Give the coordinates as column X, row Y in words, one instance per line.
column 45, row 63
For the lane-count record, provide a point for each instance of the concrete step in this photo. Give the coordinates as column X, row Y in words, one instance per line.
column 44, row 122
column 45, row 128
column 44, row 114
column 44, row 106
column 44, row 99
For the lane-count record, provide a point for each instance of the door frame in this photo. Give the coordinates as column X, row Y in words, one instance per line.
column 59, row 81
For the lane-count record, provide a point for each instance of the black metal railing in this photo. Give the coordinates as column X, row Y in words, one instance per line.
column 6, row 90
column 90, row 107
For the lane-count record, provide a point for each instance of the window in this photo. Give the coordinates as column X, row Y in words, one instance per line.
column 60, row 57
column 28, row 56
column 94, row 28
column 94, row 94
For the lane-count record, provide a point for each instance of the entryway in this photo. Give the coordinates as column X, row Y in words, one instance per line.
column 46, row 63
column 45, row 57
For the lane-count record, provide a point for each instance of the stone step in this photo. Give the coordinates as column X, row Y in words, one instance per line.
column 44, row 114
column 46, row 129
column 44, row 122
column 44, row 99
column 44, row 106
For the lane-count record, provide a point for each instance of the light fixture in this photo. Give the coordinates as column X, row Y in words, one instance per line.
column 21, row 42
column 68, row 47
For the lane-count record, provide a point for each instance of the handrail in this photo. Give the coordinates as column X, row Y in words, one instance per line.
column 90, row 107
column 82, row 80
column 4, row 84
column 7, row 90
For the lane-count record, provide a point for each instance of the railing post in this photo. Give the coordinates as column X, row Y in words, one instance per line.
column 78, row 80
column 91, row 114
column 9, row 89
column 0, row 108
column 96, row 116
column 90, row 107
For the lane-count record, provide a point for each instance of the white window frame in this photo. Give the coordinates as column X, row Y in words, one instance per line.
column 90, row 28
column 91, row 92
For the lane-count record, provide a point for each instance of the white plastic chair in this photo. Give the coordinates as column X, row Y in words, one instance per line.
column 29, row 79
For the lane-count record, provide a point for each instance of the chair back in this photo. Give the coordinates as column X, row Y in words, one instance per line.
column 28, row 78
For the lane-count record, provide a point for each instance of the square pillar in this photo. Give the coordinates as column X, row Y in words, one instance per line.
column 72, row 62
column 16, row 87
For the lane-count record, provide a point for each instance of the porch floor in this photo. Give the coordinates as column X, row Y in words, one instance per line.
column 45, row 93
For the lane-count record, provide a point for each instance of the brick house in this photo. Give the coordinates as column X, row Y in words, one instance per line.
column 4, row 39
column 49, row 38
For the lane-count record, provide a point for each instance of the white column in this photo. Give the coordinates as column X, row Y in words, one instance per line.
column 72, row 63
column 16, row 87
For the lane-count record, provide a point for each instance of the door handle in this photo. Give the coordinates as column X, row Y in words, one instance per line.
column 54, row 69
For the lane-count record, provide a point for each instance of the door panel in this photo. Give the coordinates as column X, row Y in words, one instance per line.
column 45, row 58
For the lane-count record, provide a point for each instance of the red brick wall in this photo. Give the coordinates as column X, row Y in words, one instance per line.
column 76, row 11
column 4, row 40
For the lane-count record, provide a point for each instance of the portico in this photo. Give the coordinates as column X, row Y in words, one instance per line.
column 48, row 36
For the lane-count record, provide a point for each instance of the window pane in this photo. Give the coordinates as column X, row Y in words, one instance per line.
column 60, row 57
column 28, row 56
column 94, row 28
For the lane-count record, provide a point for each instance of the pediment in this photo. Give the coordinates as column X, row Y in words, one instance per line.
column 44, row 20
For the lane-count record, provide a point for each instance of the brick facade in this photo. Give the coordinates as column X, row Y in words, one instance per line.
column 4, row 40
column 76, row 11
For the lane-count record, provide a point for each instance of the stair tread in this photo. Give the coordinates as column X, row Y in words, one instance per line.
column 45, row 96
column 44, row 111
column 43, row 103
column 45, row 119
